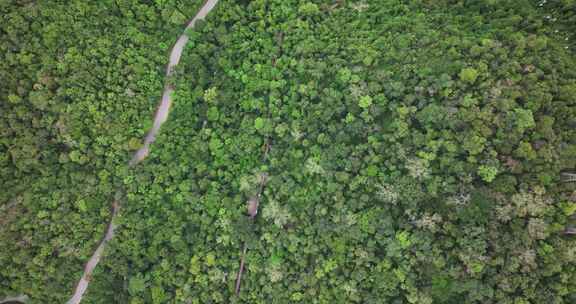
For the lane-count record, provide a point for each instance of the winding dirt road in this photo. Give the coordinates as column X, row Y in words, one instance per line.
column 18, row 299
column 166, row 102
column 159, row 118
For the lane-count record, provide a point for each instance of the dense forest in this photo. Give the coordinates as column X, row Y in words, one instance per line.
column 399, row 151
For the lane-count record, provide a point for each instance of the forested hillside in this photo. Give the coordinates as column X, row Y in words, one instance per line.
column 399, row 151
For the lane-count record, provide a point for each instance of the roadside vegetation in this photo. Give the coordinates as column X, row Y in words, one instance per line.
column 400, row 153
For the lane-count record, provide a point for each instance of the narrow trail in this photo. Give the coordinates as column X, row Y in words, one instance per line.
column 12, row 300
column 159, row 118
column 166, row 102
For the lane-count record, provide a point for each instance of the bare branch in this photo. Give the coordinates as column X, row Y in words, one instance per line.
column 570, row 231
column 568, row 177
column 239, row 276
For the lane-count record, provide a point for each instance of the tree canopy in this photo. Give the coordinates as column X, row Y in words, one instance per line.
column 413, row 150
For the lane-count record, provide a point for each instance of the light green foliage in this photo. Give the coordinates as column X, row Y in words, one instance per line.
column 313, row 166
column 526, row 151
column 568, row 92
column 210, row 95
column 177, row 17
column 537, row 228
column 213, row 114
column 524, row 119
column 418, row 168
column 468, row 75
column 77, row 157
column 14, row 98
column 403, row 237
column 388, row 194
column 487, row 173
column 344, row 75
column 259, row 123
column 474, row 144
column 365, row 102
column 350, row 118
column 158, row 295
column 308, row 9
column 136, row 285
column 276, row 214
column 414, row 151
column 215, row 144
column 532, row 203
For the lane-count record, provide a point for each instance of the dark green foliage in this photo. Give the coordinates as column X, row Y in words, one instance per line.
column 415, row 151
column 80, row 82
